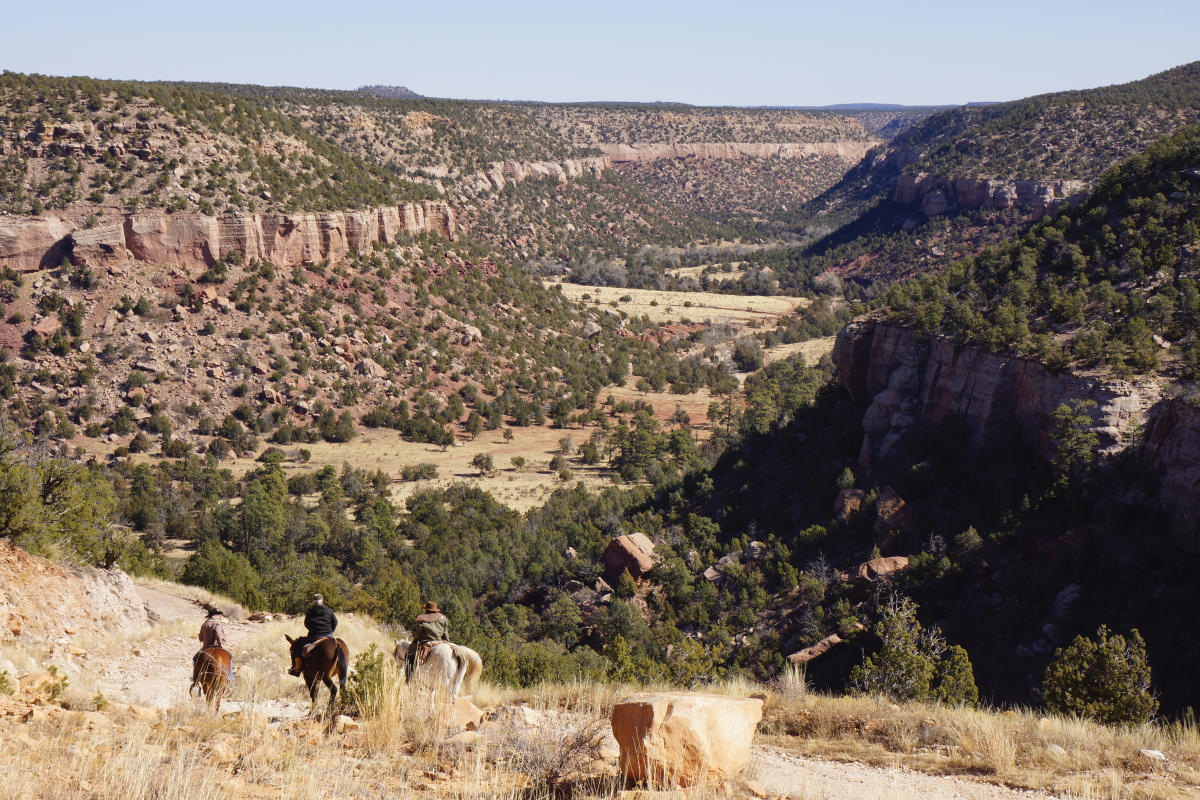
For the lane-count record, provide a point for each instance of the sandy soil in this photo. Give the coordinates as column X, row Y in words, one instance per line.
column 795, row 776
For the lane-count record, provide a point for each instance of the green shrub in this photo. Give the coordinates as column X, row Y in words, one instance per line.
column 913, row 662
column 1106, row 679
column 373, row 683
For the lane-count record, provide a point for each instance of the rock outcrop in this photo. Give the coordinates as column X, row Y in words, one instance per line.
column 937, row 194
column 1172, row 452
column 684, row 738
column 43, row 603
column 197, row 241
column 503, row 173
column 908, row 380
column 633, row 552
column 878, row 568
column 644, row 152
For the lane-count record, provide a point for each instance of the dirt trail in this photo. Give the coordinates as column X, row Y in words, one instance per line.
column 796, row 776
column 155, row 671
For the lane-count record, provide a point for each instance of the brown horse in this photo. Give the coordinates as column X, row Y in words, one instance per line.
column 210, row 671
column 326, row 658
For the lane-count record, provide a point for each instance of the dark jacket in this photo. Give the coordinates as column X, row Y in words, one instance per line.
column 430, row 628
column 320, row 621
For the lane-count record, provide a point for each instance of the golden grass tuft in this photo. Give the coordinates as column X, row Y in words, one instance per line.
column 1019, row 748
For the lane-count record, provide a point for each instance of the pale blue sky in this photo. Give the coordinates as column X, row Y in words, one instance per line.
column 750, row 53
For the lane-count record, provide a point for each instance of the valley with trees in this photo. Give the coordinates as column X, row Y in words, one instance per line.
column 886, row 415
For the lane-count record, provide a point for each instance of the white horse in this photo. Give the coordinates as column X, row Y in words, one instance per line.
column 447, row 665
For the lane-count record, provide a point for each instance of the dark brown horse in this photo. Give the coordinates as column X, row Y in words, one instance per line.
column 210, row 671
column 326, row 658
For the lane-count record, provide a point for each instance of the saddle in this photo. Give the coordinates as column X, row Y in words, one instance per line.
column 308, row 647
column 423, row 651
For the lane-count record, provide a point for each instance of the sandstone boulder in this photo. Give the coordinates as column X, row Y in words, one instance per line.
column 894, row 517
column 848, row 503
column 370, row 368
column 878, row 568
column 47, row 327
column 633, row 552
column 684, row 738
column 465, row 715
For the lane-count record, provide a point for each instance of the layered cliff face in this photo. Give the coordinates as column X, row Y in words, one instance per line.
column 643, row 152
column 503, row 173
column 909, row 381
column 197, row 241
column 937, row 194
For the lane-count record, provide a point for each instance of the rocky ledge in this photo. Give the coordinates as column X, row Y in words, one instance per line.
column 643, row 152
column 937, row 194
column 28, row 244
column 501, row 173
column 908, row 380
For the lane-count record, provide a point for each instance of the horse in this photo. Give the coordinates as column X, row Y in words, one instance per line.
column 323, row 660
column 211, row 668
column 448, row 665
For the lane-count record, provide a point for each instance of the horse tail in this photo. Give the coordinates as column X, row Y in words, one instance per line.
column 469, row 667
column 195, row 673
column 474, row 667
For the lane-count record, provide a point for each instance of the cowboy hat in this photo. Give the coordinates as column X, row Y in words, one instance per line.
column 431, row 607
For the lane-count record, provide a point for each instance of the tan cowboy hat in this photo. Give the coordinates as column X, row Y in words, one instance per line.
column 431, row 607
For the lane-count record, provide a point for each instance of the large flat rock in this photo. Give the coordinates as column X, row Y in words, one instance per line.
column 684, row 738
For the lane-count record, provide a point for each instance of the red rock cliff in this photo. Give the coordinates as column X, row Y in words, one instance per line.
column 197, row 241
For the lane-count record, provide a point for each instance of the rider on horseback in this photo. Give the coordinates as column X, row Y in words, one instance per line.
column 428, row 628
column 213, row 635
column 320, row 622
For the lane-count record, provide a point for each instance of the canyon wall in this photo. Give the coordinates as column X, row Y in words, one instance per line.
column 1172, row 453
column 28, row 244
column 909, row 380
column 642, row 152
column 937, row 194
column 502, row 173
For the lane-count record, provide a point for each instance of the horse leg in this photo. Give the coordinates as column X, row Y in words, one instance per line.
column 333, row 691
column 313, row 686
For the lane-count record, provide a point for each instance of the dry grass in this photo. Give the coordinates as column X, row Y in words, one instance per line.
column 812, row 350
column 673, row 307
column 1018, row 748
column 265, row 744
column 716, row 272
